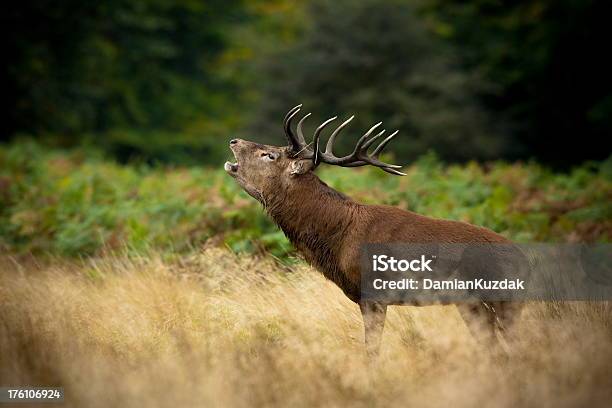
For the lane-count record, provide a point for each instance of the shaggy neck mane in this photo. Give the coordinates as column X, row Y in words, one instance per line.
column 315, row 218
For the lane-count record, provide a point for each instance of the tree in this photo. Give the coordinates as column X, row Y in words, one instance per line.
column 548, row 61
column 113, row 66
column 378, row 60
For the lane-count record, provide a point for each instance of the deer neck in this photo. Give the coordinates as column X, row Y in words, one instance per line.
column 314, row 217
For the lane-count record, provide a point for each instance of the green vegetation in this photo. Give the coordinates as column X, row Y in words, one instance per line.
column 78, row 203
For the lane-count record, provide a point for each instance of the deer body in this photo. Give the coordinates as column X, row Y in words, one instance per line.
column 329, row 229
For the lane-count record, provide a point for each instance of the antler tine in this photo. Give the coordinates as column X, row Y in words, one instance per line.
column 330, row 143
column 361, row 148
column 393, row 171
column 367, row 144
column 382, row 144
column 364, row 138
column 300, row 131
column 375, row 162
column 293, row 142
column 317, row 134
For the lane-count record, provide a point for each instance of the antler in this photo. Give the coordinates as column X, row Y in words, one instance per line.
column 359, row 156
column 297, row 144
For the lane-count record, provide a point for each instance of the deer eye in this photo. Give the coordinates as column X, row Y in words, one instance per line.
column 268, row 156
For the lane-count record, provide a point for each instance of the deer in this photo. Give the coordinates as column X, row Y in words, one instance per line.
column 328, row 228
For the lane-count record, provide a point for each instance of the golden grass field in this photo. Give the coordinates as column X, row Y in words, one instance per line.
column 217, row 329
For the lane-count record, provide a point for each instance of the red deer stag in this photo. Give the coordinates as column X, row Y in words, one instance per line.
column 329, row 229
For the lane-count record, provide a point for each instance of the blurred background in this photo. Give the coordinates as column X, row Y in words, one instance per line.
column 118, row 115
column 172, row 81
column 129, row 258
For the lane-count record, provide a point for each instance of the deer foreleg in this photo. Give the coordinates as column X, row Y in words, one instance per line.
column 373, row 323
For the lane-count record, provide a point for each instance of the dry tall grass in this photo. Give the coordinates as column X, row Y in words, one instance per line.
column 221, row 330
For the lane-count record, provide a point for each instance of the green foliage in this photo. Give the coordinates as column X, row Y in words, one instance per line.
column 77, row 203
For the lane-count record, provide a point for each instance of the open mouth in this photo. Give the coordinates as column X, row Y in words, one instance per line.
column 231, row 167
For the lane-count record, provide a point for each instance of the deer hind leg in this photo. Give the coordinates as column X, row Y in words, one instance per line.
column 488, row 319
column 507, row 316
column 481, row 321
column 374, row 315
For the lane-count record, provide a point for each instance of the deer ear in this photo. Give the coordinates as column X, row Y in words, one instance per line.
column 298, row 167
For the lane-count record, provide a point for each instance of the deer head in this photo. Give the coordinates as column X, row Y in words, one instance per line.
column 262, row 169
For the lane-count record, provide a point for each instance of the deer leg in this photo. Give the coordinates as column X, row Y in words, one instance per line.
column 481, row 322
column 508, row 314
column 373, row 323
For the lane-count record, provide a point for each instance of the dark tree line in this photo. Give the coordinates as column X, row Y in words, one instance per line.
column 548, row 61
column 77, row 66
column 379, row 61
column 170, row 80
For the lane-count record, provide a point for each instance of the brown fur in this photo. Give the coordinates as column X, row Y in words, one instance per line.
column 329, row 229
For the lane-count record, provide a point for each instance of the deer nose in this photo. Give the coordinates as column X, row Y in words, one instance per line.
column 233, row 141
